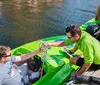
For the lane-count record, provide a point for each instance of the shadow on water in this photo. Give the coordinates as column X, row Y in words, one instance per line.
column 22, row 21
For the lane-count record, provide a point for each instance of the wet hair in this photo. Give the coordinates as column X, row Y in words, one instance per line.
column 74, row 29
column 3, row 51
column 97, row 14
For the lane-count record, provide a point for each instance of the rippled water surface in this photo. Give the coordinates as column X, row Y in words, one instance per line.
column 23, row 21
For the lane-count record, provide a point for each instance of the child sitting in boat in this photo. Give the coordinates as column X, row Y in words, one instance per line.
column 10, row 74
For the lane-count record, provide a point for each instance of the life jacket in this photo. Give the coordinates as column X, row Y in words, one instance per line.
column 94, row 30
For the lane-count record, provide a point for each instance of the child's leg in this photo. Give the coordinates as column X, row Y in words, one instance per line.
column 24, row 73
column 33, row 75
column 24, row 69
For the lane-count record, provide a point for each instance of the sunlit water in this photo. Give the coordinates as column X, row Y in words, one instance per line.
column 23, row 21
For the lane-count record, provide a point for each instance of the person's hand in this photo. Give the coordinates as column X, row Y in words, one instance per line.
column 40, row 50
column 46, row 44
column 74, row 74
column 43, row 47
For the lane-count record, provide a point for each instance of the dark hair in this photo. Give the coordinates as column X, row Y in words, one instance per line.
column 3, row 51
column 74, row 29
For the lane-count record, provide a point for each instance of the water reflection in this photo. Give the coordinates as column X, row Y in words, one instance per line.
column 0, row 10
column 32, row 6
column 22, row 21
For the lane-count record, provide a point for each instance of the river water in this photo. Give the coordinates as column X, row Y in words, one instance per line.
column 23, row 21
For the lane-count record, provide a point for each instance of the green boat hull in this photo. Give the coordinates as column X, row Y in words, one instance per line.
column 56, row 66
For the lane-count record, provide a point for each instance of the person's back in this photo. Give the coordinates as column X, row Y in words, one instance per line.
column 9, row 77
column 93, row 48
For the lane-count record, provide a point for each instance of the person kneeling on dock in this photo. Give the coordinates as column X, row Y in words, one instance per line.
column 86, row 43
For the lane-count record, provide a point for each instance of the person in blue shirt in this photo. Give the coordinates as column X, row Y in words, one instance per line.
column 10, row 74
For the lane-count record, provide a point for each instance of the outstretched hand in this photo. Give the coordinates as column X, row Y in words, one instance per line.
column 44, row 47
column 46, row 44
column 74, row 74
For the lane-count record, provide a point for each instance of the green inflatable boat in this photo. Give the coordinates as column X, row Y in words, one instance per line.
column 56, row 64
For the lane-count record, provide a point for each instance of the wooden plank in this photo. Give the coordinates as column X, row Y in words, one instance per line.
column 93, row 73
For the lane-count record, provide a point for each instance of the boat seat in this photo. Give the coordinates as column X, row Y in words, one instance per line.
column 20, row 51
column 51, row 64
